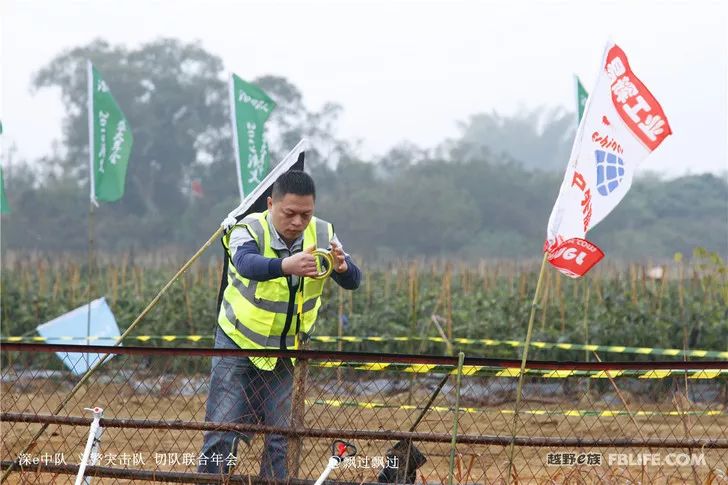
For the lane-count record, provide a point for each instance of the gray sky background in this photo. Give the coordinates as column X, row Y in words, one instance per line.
column 403, row 70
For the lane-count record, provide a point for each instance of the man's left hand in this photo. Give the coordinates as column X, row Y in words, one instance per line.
column 337, row 252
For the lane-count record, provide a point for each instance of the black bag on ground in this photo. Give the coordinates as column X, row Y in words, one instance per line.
column 398, row 468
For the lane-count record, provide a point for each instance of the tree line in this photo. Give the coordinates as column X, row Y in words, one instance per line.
column 486, row 193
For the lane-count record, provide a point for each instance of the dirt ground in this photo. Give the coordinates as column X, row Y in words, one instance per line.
column 326, row 409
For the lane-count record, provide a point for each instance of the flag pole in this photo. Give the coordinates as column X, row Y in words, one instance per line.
column 229, row 221
column 91, row 265
column 91, row 147
column 234, row 127
column 92, row 195
column 522, row 372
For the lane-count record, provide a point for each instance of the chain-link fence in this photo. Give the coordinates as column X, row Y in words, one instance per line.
column 637, row 422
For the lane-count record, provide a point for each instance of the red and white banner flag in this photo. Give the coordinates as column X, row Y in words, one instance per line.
column 622, row 124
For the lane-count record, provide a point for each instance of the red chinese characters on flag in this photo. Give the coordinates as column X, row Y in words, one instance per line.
column 639, row 110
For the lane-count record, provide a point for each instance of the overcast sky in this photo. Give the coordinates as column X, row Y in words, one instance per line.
column 403, row 70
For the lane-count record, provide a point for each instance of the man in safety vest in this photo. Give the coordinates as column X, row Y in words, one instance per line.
column 271, row 302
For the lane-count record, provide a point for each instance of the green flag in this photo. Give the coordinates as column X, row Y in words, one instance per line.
column 250, row 107
column 581, row 97
column 110, row 141
column 4, row 207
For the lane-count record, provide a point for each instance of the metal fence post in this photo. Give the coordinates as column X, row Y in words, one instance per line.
column 298, row 412
column 456, row 415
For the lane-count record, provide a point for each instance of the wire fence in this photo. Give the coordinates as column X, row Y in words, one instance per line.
column 352, row 339
column 591, row 422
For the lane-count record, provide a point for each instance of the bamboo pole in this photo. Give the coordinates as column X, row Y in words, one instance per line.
column 89, row 288
column 633, row 283
column 413, row 294
column 522, row 280
column 483, row 275
column 188, row 304
column 545, row 300
column 387, row 275
column 57, row 277
column 115, row 285
column 412, row 316
column 340, row 330
column 125, row 263
column 42, row 278
column 586, row 329
column 75, row 276
column 562, row 308
column 368, row 286
column 524, row 357
column 597, row 282
column 626, row 407
column 448, row 303
column 585, row 320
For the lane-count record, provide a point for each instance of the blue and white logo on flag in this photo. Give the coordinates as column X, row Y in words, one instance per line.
column 610, row 171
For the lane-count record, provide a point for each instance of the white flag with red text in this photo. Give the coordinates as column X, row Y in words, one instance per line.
column 623, row 123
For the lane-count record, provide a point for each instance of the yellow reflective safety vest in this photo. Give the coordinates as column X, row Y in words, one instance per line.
column 269, row 314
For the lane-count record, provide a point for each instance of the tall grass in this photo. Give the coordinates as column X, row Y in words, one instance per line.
column 620, row 305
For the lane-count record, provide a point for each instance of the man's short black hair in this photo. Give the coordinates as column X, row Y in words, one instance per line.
column 293, row 182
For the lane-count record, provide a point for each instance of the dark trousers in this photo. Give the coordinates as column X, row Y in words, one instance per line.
column 242, row 393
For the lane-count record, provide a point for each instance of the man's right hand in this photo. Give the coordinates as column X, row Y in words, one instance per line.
column 300, row 264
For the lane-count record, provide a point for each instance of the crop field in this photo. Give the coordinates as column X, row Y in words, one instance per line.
column 626, row 313
column 614, row 305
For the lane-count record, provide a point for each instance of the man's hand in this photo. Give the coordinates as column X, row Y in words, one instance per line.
column 337, row 252
column 300, row 264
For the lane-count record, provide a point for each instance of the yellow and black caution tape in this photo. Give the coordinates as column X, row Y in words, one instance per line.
column 540, row 345
column 94, row 338
column 491, row 371
column 713, row 354
column 600, row 413
column 468, row 370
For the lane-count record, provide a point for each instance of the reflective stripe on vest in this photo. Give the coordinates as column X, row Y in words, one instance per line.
column 253, row 313
column 248, row 292
column 259, row 339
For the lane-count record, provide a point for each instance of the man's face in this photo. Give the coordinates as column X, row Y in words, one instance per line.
column 291, row 214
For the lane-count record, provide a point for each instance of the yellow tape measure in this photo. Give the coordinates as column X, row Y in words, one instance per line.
column 325, row 256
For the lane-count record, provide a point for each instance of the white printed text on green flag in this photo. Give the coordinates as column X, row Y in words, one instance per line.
column 250, row 107
column 110, row 141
